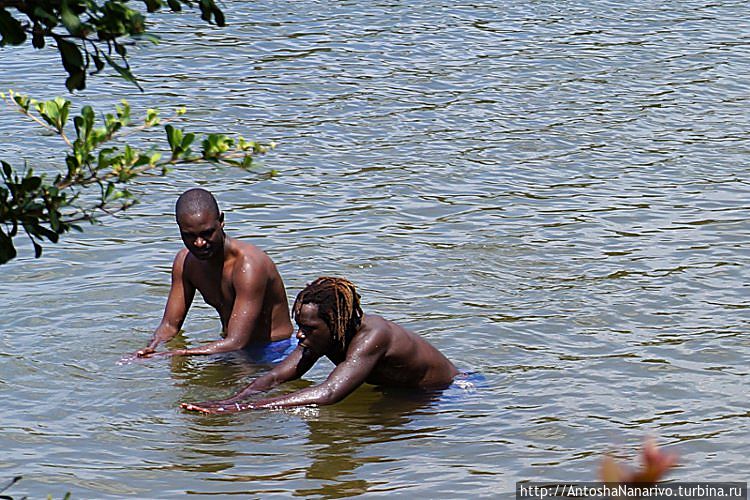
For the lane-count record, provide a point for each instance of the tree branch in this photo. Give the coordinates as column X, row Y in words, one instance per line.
column 13, row 4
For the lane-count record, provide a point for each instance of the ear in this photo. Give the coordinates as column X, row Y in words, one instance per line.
column 221, row 219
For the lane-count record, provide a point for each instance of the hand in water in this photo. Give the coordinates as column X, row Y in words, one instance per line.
column 143, row 354
column 130, row 358
column 146, row 352
column 152, row 354
column 217, row 407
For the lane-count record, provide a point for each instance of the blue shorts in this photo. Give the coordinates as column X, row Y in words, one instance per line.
column 465, row 386
column 271, row 353
column 469, row 381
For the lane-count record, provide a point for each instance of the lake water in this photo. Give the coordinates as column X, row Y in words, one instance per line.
column 555, row 194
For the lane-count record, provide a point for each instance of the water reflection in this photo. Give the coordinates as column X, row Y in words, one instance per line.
column 340, row 441
column 555, row 197
column 336, row 441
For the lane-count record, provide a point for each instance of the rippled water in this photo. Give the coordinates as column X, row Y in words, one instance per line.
column 553, row 193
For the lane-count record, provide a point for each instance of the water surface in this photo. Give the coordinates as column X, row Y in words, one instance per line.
column 554, row 194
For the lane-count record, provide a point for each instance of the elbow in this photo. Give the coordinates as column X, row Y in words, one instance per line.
column 229, row 345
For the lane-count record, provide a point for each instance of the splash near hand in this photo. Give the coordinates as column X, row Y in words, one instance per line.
column 130, row 358
column 217, row 407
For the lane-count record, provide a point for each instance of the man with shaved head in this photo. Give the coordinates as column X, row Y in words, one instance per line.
column 238, row 279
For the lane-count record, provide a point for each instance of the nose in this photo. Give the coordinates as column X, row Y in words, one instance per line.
column 199, row 242
column 300, row 335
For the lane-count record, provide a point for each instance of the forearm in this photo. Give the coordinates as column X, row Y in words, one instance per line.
column 260, row 384
column 319, row 395
column 313, row 396
column 215, row 347
column 290, row 369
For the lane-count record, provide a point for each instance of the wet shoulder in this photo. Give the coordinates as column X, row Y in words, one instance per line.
column 247, row 254
column 372, row 323
column 182, row 261
column 378, row 323
column 375, row 328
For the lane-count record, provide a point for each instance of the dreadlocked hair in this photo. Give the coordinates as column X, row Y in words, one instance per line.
column 338, row 306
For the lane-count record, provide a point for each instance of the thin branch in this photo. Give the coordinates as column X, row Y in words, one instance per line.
column 140, row 128
column 13, row 4
column 45, row 125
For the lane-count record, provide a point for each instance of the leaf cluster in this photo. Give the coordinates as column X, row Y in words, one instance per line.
column 89, row 35
column 45, row 207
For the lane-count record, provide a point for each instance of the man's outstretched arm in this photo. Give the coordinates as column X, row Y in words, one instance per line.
column 250, row 291
column 181, row 294
column 342, row 381
column 292, row 367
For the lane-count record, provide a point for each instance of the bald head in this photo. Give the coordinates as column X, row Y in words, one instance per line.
column 196, row 201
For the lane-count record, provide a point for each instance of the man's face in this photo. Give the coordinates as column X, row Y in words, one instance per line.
column 202, row 234
column 313, row 333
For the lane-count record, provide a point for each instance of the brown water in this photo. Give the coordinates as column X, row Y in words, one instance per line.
column 554, row 194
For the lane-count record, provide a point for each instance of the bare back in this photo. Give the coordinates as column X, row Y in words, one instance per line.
column 406, row 360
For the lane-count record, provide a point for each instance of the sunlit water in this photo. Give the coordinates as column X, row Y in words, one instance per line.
column 553, row 193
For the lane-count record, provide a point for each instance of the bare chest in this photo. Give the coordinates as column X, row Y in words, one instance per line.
column 216, row 288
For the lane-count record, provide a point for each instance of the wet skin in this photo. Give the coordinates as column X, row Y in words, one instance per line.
column 238, row 279
column 381, row 352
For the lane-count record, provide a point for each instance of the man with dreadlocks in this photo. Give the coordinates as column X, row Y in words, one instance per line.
column 364, row 348
column 238, row 279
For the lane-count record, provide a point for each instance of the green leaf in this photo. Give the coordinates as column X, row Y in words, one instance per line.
column 98, row 62
column 37, row 39
column 64, row 107
column 175, row 140
column 123, row 111
column 70, row 53
column 7, row 249
column 71, row 21
column 187, row 141
column 46, row 16
column 152, row 5
column 54, row 112
column 72, row 60
column 54, row 222
column 37, row 249
column 108, row 191
column 51, row 111
column 22, row 101
column 84, row 124
column 152, row 117
column 219, row 16
column 123, row 71
column 39, row 230
column 31, row 183
column 76, row 81
column 209, row 10
column 11, row 29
